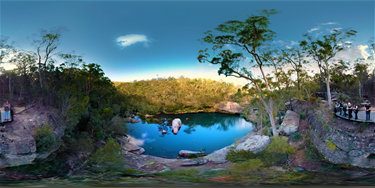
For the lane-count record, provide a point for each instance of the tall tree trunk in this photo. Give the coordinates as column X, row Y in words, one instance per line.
column 10, row 87
column 298, row 81
column 329, row 92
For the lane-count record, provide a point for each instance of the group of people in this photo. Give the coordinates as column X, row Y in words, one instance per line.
column 344, row 107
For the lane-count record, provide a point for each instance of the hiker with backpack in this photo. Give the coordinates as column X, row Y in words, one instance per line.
column 6, row 111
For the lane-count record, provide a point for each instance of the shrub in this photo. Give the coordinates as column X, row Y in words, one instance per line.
column 274, row 153
column 117, row 127
column 296, row 137
column 331, row 145
column 311, row 153
column 108, row 158
column 45, row 139
column 280, row 145
column 107, row 113
column 240, row 156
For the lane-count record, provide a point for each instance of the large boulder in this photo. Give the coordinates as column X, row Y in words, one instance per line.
column 191, row 154
column 256, row 143
column 131, row 144
column 230, row 107
column 290, row 123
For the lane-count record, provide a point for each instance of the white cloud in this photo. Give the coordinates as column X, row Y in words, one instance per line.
column 313, row 29
column 330, row 23
column 128, row 40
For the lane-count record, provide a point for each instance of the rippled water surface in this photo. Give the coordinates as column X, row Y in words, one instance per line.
column 201, row 131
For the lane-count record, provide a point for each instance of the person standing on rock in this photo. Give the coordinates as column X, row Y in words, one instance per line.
column 6, row 111
column 368, row 110
column 355, row 110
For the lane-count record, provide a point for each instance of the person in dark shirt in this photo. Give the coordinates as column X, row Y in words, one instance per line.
column 337, row 107
column 350, row 110
column 355, row 110
column 341, row 107
column 368, row 110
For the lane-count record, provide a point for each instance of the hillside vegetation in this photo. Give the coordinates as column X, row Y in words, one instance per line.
column 177, row 94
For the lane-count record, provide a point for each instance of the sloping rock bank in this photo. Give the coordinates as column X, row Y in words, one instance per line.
column 340, row 141
column 152, row 164
column 17, row 144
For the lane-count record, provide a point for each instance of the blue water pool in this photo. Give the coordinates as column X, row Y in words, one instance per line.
column 201, row 131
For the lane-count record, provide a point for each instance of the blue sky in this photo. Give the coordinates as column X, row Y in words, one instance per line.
column 162, row 36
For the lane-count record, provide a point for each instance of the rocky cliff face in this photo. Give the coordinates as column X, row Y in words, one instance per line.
column 339, row 140
column 17, row 144
column 230, row 107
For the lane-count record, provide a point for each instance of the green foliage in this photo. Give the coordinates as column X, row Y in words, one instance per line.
column 302, row 116
column 175, row 94
column 331, row 145
column 45, row 139
column 296, row 137
column 275, row 153
column 311, row 152
column 48, row 167
column 240, row 156
column 107, row 113
column 117, row 127
column 280, row 145
column 363, row 126
column 108, row 158
column 190, row 175
column 249, row 165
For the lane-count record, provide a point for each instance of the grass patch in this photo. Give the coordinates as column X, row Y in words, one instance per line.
column 291, row 177
column 190, row 175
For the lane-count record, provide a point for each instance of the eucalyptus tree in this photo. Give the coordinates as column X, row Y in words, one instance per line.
column 46, row 42
column 250, row 35
column 323, row 51
column 271, row 59
column 296, row 58
column 6, row 50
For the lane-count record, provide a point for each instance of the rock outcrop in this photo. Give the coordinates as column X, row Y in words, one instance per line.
column 256, row 143
column 230, row 107
column 290, row 123
column 17, row 144
column 191, row 154
column 348, row 145
column 130, row 144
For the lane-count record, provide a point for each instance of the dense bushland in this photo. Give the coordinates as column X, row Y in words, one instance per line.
column 177, row 94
